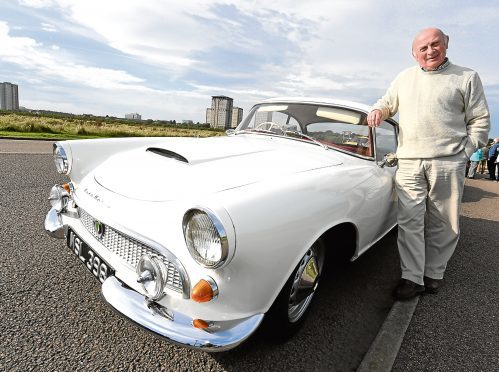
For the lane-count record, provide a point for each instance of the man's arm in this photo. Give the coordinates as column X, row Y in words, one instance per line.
column 477, row 116
column 385, row 107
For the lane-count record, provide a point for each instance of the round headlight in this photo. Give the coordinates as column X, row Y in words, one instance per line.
column 205, row 238
column 152, row 276
column 60, row 159
column 58, row 198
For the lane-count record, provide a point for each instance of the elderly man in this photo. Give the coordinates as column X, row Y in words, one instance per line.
column 444, row 118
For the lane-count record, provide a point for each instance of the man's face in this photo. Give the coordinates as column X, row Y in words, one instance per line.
column 429, row 48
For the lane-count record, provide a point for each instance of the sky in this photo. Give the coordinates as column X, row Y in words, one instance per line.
column 165, row 59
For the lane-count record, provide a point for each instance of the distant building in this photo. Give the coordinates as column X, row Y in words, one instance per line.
column 133, row 116
column 187, row 122
column 9, row 96
column 237, row 116
column 208, row 115
column 263, row 116
column 221, row 112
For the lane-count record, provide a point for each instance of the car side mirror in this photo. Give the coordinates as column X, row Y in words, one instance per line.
column 389, row 160
column 230, row 132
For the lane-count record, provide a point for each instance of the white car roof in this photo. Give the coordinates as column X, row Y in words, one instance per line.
column 323, row 101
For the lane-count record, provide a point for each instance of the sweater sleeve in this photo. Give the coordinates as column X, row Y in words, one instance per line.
column 389, row 103
column 476, row 114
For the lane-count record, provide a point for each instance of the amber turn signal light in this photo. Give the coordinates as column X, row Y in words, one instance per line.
column 200, row 323
column 205, row 290
column 67, row 188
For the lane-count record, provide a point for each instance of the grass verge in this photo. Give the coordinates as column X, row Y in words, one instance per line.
column 26, row 125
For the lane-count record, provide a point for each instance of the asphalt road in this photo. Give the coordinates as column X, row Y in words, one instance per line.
column 53, row 319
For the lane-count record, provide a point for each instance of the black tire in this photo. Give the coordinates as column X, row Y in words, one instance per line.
column 292, row 305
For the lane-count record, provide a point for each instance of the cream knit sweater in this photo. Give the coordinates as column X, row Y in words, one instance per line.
column 440, row 112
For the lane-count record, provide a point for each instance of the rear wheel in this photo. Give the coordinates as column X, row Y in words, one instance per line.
column 291, row 307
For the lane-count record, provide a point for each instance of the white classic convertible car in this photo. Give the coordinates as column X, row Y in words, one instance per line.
column 199, row 239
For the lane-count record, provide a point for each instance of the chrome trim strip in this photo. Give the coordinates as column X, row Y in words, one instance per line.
column 174, row 326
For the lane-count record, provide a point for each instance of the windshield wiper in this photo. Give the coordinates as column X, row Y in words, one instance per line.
column 303, row 135
column 233, row 132
column 285, row 132
column 259, row 130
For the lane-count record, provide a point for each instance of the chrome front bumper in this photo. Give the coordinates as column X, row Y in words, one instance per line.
column 174, row 326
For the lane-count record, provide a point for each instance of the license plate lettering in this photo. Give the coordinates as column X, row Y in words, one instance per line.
column 103, row 272
column 96, row 265
column 75, row 243
column 90, row 260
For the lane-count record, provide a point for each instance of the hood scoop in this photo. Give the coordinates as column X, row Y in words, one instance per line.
column 167, row 154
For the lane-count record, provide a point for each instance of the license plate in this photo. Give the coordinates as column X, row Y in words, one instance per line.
column 95, row 264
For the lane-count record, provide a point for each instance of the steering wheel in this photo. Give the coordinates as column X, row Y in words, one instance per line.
column 268, row 125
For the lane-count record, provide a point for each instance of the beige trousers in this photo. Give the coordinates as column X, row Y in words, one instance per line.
column 429, row 195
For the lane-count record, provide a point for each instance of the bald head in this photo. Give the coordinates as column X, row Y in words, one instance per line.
column 429, row 48
column 430, row 31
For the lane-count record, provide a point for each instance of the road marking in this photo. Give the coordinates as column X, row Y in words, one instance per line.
column 383, row 351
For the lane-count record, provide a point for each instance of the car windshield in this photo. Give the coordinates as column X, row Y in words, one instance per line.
column 331, row 126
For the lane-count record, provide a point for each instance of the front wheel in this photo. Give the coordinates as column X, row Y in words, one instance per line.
column 291, row 306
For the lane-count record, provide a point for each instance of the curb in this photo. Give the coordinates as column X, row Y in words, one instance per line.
column 383, row 351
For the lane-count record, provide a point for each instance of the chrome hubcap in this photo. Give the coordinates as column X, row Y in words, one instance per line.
column 304, row 284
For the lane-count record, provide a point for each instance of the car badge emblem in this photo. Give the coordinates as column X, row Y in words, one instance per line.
column 99, row 228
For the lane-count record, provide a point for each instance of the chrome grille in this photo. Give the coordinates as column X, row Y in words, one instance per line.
column 130, row 249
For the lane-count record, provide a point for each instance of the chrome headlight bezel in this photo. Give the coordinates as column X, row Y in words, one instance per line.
column 214, row 229
column 61, row 160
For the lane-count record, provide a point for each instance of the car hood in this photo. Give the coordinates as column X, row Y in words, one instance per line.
column 176, row 167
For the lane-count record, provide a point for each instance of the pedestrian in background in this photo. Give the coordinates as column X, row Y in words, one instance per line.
column 483, row 162
column 475, row 158
column 492, row 157
column 443, row 119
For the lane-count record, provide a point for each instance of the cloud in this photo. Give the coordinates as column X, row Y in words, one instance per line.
column 31, row 55
column 177, row 37
column 202, row 40
column 37, row 3
column 48, row 27
column 61, row 84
